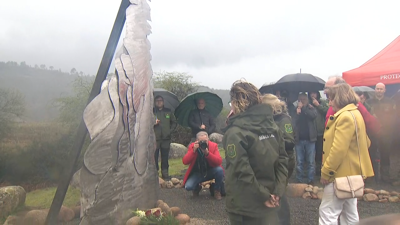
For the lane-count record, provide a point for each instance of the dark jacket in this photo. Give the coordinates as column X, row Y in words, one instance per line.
column 256, row 161
column 284, row 123
column 167, row 124
column 310, row 113
column 322, row 109
column 198, row 117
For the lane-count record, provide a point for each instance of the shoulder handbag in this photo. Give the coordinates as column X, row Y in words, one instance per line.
column 350, row 186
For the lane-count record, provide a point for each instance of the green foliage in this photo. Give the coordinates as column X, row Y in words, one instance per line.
column 12, row 107
column 40, row 161
column 72, row 107
column 180, row 84
column 43, row 198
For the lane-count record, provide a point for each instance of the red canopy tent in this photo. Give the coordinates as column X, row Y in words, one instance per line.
column 383, row 67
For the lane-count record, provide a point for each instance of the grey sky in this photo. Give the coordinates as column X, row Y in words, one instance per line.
column 217, row 42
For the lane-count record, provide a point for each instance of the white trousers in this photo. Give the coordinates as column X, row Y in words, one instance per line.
column 331, row 208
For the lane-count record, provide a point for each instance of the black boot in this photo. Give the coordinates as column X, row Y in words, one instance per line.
column 164, row 175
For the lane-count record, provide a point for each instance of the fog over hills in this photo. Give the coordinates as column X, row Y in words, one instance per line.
column 41, row 85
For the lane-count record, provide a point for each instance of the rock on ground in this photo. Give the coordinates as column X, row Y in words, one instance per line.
column 66, row 214
column 371, row 198
column 295, row 190
column 35, row 217
column 177, row 151
column 216, row 137
column 10, row 198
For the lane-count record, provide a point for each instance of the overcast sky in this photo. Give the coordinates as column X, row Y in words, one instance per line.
column 217, row 42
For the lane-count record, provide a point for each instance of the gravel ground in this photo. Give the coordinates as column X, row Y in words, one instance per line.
column 206, row 210
column 303, row 211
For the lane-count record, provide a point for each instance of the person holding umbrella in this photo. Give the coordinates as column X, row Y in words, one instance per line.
column 165, row 123
column 200, row 119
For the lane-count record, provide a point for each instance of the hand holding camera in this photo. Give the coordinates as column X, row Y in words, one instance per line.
column 201, row 146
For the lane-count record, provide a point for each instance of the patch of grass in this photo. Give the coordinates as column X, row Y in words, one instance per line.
column 176, row 166
column 42, row 198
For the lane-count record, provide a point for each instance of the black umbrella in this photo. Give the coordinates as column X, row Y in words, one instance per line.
column 213, row 106
column 268, row 89
column 300, row 82
column 170, row 100
column 363, row 89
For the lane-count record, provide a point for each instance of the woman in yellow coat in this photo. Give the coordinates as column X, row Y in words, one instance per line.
column 342, row 155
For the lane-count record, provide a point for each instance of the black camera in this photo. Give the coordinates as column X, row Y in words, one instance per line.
column 203, row 144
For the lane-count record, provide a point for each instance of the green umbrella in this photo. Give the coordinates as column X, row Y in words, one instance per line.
column 213, row 106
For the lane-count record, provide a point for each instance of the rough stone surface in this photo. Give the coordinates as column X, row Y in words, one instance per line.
column 77, row 211
column 371, row 198
column 314, row 196
column 216, row 137
column 175, row 211
column 66, row 214
column 169, row 184
column 175, row 181
column 394, row 199
column 295, row 190
column 133, row 221
column 307, row 195
column 161, row 182
column 383, row 200
column 12, row 220
column 308, row 189
column 10, row 198
column 394, row 193
column 75, row 181
column 177, row 151
column 183, row 219
column 383, row 192
column 369, row 191
column 35, row 217
column 315, row 189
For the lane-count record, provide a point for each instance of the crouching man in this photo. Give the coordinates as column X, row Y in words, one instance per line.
column 204, row 163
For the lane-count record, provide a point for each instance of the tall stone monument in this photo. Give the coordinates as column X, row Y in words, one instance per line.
column 119, row 173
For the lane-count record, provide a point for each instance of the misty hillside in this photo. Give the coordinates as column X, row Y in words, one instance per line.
column 41, row 86
column 223, row 94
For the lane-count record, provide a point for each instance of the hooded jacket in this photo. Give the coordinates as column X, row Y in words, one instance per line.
column 256, row 161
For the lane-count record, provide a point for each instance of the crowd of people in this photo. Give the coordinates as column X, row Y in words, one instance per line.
column 268, row 136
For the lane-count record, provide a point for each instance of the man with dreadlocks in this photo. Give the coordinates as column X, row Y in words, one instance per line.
column 256, row 160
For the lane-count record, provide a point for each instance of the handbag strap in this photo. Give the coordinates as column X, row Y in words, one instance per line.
column 358, row 145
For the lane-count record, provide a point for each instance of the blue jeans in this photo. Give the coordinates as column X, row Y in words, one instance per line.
column 305, row 153
column 196, row 178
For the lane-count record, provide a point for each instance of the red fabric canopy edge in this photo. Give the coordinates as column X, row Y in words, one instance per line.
column 383, row 67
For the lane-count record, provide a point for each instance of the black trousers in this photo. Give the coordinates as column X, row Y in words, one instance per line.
column 284, row 211
column 268, row 219
column 162, row 146
column 319, row 145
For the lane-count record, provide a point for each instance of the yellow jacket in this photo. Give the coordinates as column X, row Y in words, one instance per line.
column 340, row 154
